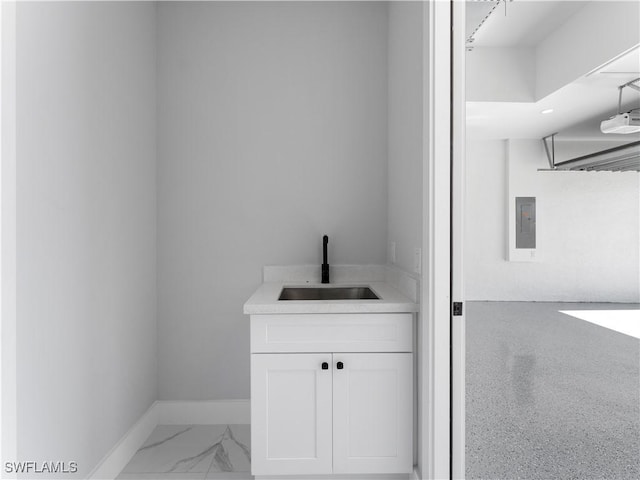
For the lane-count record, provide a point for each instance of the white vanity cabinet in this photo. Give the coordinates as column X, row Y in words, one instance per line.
column 331, row 394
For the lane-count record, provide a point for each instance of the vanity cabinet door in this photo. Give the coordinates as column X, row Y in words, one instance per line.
column 372, row 413
column 291, row 397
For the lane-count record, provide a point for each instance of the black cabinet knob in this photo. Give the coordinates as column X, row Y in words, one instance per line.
column 340, row 365
column 325, row 366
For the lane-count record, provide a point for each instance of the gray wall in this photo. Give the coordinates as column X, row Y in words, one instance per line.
column 405, row 141
column 272, row 132
column 588, row 228
column 406, row 105
column 86, row 301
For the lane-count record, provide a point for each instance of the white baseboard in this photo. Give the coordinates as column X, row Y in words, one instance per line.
column 116, row 459
column 215, row 412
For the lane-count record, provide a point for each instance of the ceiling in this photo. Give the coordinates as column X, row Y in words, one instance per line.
column 578, row 107
column 520, row 23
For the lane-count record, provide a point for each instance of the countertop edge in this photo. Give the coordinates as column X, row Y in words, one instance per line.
column 265, row 301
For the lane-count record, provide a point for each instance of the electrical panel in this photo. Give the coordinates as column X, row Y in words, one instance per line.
column 525, row 222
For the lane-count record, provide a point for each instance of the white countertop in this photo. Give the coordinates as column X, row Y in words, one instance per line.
column 265, row 300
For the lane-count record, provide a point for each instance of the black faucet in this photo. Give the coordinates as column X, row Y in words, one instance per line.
column 325, row 265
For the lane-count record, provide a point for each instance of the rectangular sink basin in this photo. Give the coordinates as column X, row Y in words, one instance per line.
column 327, row 293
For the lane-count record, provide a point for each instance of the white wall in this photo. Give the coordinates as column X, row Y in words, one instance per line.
column 595, row 34
column 86, row 302
column 588, row 228
column 405, row 127
column 272, row 132
column 8, row 403
column 405, row 145
column 500, row 74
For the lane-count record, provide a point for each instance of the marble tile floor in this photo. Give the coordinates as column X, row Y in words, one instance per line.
column 185, row 452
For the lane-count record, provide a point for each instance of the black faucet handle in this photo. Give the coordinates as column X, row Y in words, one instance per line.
column 325, row 261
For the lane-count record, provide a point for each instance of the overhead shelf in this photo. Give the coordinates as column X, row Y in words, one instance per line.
column 623, row 158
